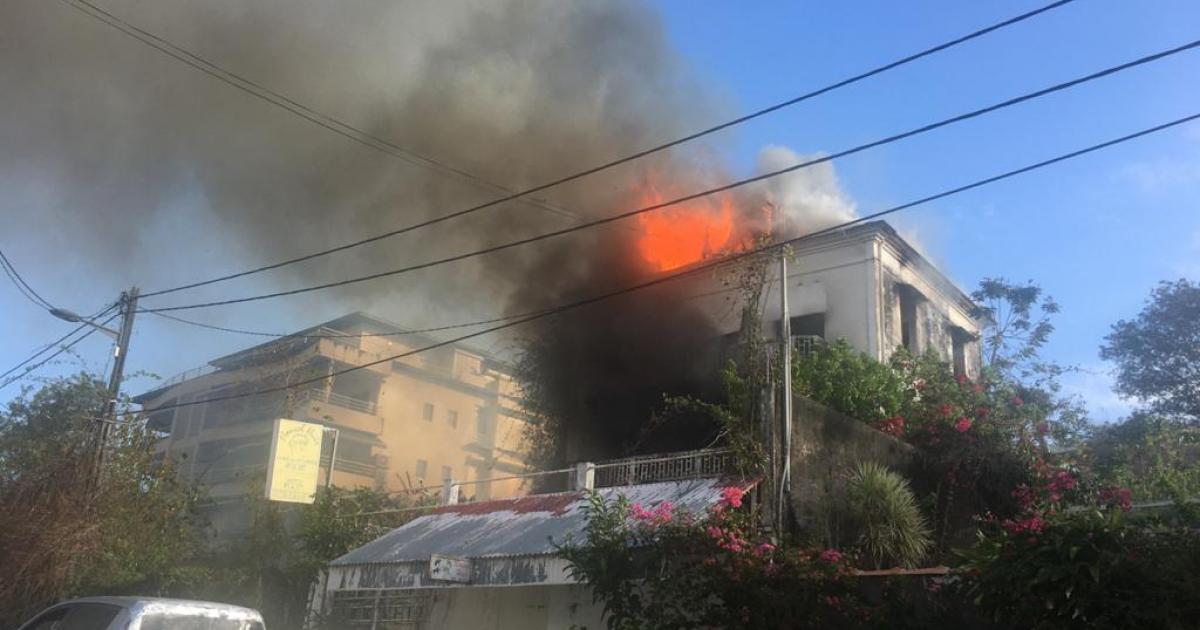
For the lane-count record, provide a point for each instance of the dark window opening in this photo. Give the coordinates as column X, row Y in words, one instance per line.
column 960, row 339
column 811, row 325
column 909, row 298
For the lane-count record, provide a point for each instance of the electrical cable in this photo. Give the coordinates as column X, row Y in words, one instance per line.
column 399, row 333
column 736, row 184
column 62, row 349
column 707, row 265
column 343, row 128
column 279, row 100
column 22, row 286
column 46, row 348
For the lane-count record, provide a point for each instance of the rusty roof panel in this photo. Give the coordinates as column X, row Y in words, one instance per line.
column 531, row 525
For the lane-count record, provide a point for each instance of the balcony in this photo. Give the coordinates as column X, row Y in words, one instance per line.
column 320, row 395
column 668, row 467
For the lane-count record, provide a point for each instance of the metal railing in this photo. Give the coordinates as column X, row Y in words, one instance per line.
column 668, row 467
column 807, row 345
column 341, row 400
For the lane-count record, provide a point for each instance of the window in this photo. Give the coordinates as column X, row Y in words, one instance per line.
column 909, row 298
column 481, row 423
column 422, row 469
column 427, row 412
column 452, row 418
column 76, row 617
column 447, row 472
column 960, row 338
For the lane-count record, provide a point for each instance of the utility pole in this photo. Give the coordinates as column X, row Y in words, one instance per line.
column 109, row 415
column 785, row 334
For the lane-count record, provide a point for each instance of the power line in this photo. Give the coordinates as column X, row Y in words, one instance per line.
column 399, row 333
column 318, row 118
column 736, row 184
column 707, row 265
column 62, row 349
column 21, row 285
column 264, row 93
column 46, row 348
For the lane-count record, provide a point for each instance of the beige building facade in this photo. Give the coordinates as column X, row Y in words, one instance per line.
column 403, row 423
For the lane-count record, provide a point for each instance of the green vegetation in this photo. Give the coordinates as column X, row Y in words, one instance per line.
column 66, row 531
column 892, row 530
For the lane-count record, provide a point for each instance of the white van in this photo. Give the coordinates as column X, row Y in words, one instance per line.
column 144, row 613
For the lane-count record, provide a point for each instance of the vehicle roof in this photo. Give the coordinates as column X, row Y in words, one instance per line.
column 142, row 603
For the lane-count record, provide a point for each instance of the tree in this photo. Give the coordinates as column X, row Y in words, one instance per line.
column 1158, row 353
column 1016, row 324
column 66, row 531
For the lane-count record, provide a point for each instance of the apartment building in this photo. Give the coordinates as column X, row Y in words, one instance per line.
column 451, row 412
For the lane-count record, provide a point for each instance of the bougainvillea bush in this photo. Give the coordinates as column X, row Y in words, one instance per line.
column 1085, row 567
column 659, row 567
column 977, row 439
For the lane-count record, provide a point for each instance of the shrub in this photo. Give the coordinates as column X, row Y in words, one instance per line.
column 1085, row 569
column 656, row 567
column 845, row 379
column 892, row 530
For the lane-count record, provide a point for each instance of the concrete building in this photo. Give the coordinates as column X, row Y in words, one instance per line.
column 413, row 421
column 865, row 284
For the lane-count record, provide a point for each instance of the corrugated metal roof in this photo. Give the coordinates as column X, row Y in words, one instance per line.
column 522, row 526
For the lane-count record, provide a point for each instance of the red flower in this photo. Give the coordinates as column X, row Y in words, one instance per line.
column 732, row 496
column 946, row 410
column 1042, row 428
column 1016, row 401
column 963, row 425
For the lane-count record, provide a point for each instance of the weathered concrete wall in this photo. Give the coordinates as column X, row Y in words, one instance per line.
column 826, row 445
column 515, row 608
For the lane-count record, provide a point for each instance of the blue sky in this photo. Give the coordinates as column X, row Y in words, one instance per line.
column 1097, row 233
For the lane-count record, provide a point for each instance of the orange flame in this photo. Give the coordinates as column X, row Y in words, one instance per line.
column 687, row 233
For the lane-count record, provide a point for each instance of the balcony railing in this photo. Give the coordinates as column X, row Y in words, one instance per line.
column 669, row 467
column 807, row 345
column 341, row 400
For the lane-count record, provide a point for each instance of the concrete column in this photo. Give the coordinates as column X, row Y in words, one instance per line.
column 585, row 476
column 449, row 492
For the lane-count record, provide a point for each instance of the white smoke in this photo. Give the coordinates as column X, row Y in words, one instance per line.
column 805, row 200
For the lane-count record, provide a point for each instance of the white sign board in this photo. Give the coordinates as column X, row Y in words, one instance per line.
column 295, row 459
column 450, row 568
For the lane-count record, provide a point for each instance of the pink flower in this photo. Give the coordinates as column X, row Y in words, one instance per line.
column 639, row 513
column 1042, row 428
column 765, row 548
column 945, row 410
column 732, row 496
column 715, row 532
column 963, row 425
column 1016, row 401
column 831, row 555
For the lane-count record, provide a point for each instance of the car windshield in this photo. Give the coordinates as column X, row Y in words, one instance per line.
column 176, row 621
